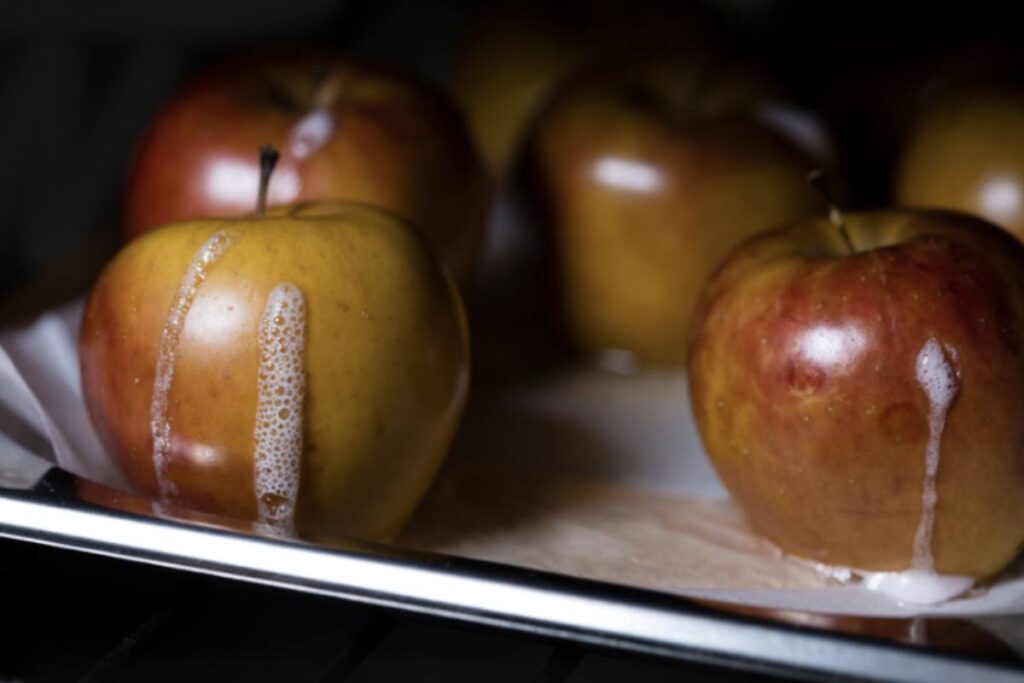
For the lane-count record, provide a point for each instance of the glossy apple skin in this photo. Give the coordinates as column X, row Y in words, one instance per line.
column 386, row 363
column 966, row 153
column 645, row 187
column 384, row 139
column 803, row 383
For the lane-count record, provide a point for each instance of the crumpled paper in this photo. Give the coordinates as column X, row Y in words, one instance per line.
column 578, row 472
column 41, row 406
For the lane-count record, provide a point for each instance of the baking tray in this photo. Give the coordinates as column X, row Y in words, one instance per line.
column 47, row 505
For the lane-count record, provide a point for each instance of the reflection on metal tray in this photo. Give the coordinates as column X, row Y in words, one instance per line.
column 62, row 511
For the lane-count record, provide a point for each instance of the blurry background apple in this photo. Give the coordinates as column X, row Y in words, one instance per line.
column 384, row 364
column 806, row 380
column 648, row 172
column 515, row 54
column 873, row 105
column 346, row 131
column 967, row 153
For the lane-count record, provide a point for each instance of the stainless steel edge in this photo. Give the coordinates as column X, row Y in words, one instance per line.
column 477, row 592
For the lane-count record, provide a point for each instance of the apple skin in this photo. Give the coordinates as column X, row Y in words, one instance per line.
column 648, row 174
column 517, row 53
column 386, row 363
column 387, row 140
column 966, row 153
column 803, row 383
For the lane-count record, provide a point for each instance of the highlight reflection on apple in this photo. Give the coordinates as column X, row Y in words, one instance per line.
column 832, row 347
column 232, row 184
column 628, row 175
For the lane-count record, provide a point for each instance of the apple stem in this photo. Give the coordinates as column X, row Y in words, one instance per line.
column 835, row 216
column 268, row 159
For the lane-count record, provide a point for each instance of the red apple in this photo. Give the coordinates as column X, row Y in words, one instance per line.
column 864, row 406
column 649, row 171
column 346, row 131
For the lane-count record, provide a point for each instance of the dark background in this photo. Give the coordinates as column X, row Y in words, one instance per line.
column 79, row 81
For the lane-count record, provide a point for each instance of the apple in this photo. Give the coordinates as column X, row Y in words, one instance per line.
column 304, row 368
column 966, row 153
column 648, row 172
column 346, row 131
column 886, row 88
column 861, row 398
column 517, row 53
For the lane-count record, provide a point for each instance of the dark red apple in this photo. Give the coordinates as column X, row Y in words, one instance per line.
column 346, row 131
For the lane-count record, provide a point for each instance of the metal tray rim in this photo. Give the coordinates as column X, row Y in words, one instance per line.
column 479, row 592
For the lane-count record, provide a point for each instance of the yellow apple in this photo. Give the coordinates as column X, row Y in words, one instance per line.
column 305, row 369
column 648, row 173
column 967, row 153
column 517, row 53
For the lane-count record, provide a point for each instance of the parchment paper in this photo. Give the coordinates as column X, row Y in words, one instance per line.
column 578, row 472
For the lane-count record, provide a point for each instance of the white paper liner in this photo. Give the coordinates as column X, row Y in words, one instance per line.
column 40, row 387
column 581, row 472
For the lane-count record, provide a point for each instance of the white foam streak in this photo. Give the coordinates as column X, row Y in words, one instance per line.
column 917, row 587
column 159, row 423
column 938, row 379
column 909, row 587
column 281, row 388
column 921, row 585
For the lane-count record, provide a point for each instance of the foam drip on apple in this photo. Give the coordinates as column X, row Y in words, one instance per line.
column 938, row 379
column 160, row 426
column 281, row 389
column 281, row 381
column 921, row 584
